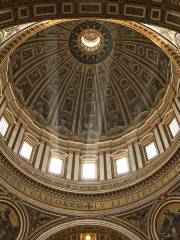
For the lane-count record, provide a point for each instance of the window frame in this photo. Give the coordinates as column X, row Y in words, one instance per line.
column 166, row 121
column 8, row 128
column 7, row 114
column 32, row 152
column 118, row 155
column 32, row 141
column 169, row 129
column 156, row 147
column 89, row 161
column 62, row 165
column 120, row 159
column 59, row 154
column 144, row 142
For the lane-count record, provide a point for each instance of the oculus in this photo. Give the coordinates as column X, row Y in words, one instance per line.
column 90, row 42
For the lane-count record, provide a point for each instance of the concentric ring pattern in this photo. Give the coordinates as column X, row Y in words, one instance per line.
column 88, row 102
column 83, row 56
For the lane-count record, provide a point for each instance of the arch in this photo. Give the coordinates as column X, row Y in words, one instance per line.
column 21, row 213
column 172, row 198
column 121, row 228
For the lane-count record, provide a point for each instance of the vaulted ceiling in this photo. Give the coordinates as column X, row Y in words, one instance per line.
column 88, row 101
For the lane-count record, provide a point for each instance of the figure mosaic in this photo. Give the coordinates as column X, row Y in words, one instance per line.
column 170, row 229
column 7, row 231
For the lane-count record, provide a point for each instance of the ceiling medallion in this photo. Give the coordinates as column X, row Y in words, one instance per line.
column 90, row 42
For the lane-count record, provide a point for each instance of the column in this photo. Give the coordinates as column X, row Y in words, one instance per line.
column 158, row 140
column 101, row 166
column 39, row 155
column 69, row 165
column 1, row 99
column 138, row 155
column 108, row 166
column 19, row 140
column 163, row 134
column 3, row 106
column 177, row 102
column 45, row 159
column 132, row 157
column 76, row 166
column 13, row 135
column 176, row 112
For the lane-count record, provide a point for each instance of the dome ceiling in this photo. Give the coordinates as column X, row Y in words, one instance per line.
column 88, row 96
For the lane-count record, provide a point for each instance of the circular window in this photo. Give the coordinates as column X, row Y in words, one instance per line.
column 90, row 40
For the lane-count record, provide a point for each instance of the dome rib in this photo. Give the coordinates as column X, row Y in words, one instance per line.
column 86, row 96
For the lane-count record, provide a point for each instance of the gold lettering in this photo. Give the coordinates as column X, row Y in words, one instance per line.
column 102, row 205
column 79, row 205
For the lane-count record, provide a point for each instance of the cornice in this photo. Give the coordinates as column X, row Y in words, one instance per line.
column 164, row 13
column 96, row 187
column 59, row 201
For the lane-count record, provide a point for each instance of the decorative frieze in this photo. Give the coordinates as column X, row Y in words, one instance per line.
column 166, row 13
column 148, row 188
